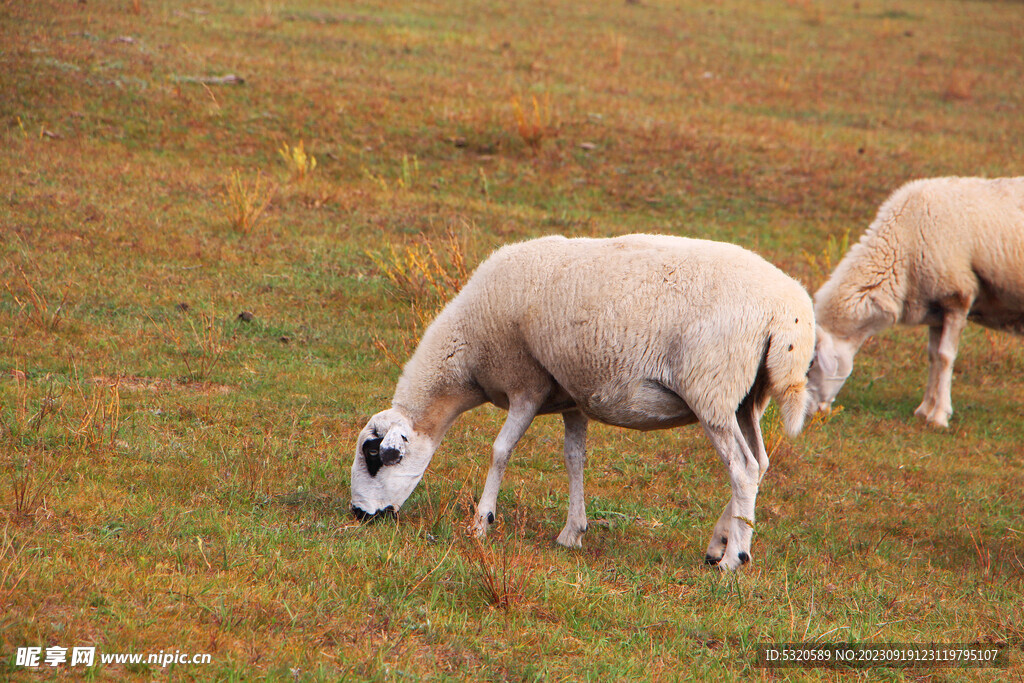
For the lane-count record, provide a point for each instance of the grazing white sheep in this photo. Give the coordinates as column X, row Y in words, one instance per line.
column 940, row 252
column 642, row 331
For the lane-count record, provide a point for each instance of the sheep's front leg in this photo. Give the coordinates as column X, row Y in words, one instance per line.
column 719, row 536
column 937, row 405
column 743, row 468
column 575, row 459
column 520, row 415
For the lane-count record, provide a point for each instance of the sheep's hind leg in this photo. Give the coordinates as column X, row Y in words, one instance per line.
column 520, row 414
column 928, row 402
column 749, row 421
column 575, row 459
column 743, row 467
column 940, row 380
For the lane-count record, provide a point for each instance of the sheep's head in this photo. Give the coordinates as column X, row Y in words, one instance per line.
column 831, row 365
column 390, row 460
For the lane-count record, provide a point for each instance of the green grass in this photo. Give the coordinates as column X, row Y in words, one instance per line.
column 174, row 478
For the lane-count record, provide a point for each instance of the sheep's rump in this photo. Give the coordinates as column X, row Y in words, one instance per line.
column 639, row 331
column 972, row 244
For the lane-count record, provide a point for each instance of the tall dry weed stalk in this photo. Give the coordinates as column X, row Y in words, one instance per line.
column 81, row 415
column 41, row 311
column 823, row 262
column 23, row 426
column 300, row 164
column 982, row 553
column 501, row 567
column 426, row 275
column 29, row 482
column 200, row 346
column 25, row 420
column 409, row 171
column 101, row 421
column 533, row 129
column 10, row 577
column 207, row 347
column 245, row 203
column 252, row 467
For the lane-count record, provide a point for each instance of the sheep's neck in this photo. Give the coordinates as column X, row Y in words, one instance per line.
column 432, row 417
column 435, row 388
column 877, row 275
column 432, row 400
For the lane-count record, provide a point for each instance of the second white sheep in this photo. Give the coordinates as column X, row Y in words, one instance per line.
column 940, row 252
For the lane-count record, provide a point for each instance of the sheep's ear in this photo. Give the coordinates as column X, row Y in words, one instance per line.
column 829, row 363
column 827, row 357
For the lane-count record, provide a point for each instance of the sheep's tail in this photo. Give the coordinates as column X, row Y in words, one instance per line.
column 787, row 358
column 792, row 403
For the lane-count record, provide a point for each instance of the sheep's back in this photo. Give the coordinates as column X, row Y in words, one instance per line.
column 600, row 315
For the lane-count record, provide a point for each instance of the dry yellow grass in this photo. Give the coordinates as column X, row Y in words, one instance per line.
column 175, row 477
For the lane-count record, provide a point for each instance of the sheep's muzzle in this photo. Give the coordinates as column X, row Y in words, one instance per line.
column 364, row 516
column 390, row 456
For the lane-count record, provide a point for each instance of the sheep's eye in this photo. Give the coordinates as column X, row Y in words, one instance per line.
column 371, row 454
column 404, row 438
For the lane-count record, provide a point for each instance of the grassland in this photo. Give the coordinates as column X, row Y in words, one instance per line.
column 175, row 475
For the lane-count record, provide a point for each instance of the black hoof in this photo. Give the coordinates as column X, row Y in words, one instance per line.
column 708, row 559
column 490, row 518
column 744, row 558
